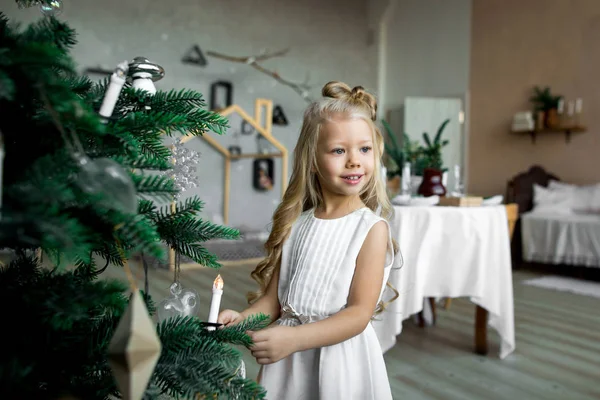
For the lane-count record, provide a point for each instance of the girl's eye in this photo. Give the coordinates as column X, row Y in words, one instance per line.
column 366, row 149
column 338, row 151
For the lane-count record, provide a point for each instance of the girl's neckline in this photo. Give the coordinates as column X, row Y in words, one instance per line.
column 312, row 214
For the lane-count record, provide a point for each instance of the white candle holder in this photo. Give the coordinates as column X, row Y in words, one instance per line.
column 117, row 80
column 215, row 302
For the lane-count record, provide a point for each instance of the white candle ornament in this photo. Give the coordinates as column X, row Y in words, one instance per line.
column 117, row 80
column 215, row 302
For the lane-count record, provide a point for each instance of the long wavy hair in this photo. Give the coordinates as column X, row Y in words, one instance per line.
column 304, row 191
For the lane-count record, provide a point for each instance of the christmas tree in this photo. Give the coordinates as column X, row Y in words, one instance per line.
column 90, row 192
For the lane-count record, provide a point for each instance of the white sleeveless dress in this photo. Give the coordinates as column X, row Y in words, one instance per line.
column 317, row 267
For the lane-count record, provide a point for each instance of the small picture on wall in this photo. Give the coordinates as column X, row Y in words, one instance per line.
column 263, row 174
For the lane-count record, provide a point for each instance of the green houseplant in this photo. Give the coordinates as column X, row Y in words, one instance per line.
column 545, row 106
column 399, row 153
column 432, row 154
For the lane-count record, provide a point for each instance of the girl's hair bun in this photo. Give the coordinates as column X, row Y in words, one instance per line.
column 356, row 95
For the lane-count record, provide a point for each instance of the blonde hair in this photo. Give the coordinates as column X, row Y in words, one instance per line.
column 304, row 191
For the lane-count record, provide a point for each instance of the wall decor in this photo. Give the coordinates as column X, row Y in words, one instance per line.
column 263, row 173
column 246, row 128
column 194, row 56
column 263, row 111
column 303, row 89
column 263, row 144
column 279, row 117
column 104, row 72
column 221, row 95
column 235, row 151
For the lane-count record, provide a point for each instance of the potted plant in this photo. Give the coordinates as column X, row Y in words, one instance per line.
column 432, row 155
column 399, row 154
column 545, row 106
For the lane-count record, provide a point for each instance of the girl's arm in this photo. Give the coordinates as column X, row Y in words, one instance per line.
column 362, row 301
column 268, row 304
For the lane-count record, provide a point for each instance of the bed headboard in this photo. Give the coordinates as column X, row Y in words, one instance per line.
column 520, row 188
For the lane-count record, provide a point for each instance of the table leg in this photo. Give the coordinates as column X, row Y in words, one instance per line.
column 433, row 310
column 421, row 318
column 481, row 319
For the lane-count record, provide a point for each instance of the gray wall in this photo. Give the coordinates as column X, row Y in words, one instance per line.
column 328, row 41
column 428, row 49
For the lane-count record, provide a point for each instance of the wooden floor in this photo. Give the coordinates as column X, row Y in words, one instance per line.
column 557, row 337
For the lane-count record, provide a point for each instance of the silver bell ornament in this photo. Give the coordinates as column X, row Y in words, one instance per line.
column 106, row 176
column 182, row 302
column 144, row 73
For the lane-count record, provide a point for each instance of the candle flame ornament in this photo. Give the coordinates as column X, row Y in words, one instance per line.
column 218, row 283
column 215, row 302
column 134, row 349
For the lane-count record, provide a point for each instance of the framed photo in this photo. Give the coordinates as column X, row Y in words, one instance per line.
column 263, row 174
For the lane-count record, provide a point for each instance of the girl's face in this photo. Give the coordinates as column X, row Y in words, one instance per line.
column 345, row 156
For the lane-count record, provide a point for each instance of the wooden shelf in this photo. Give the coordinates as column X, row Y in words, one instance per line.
column 567, row 130
column 257, row 155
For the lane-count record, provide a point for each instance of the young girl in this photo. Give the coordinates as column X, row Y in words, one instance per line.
column 328, row 259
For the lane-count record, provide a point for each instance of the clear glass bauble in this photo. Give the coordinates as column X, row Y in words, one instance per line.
column 51, row 8
column 108, row 177
column 182, row 302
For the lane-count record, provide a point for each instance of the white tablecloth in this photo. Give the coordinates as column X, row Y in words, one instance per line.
column 451, row 252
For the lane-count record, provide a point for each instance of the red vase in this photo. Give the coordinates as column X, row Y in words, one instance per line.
column 432, row 183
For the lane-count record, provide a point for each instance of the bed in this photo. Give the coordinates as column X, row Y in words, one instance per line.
column 559, row 223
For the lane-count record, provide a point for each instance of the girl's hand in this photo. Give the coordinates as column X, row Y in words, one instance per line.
column 229, row 318
column 273, row 344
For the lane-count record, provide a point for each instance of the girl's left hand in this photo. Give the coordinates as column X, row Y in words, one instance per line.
column 273, row 344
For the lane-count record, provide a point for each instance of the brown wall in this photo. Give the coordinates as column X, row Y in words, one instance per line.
column 517, row 44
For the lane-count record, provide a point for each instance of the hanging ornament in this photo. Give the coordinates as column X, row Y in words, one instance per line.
column 144, row 73
column 51, row 8
column 241, row 371
column 107, row 177
column 182, row 302
column 184, row 170
column 134, row 349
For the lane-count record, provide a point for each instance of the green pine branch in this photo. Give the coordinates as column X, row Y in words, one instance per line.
column 159, row 187
column 189, row 208
column 236, row 334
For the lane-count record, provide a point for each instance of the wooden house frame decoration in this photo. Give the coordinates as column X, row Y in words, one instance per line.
column 263, row 111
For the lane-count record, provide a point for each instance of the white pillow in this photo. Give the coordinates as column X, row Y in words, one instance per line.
column 586, row 199
column 546, row 200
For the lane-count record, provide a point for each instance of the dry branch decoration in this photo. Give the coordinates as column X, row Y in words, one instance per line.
column 301, row 88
